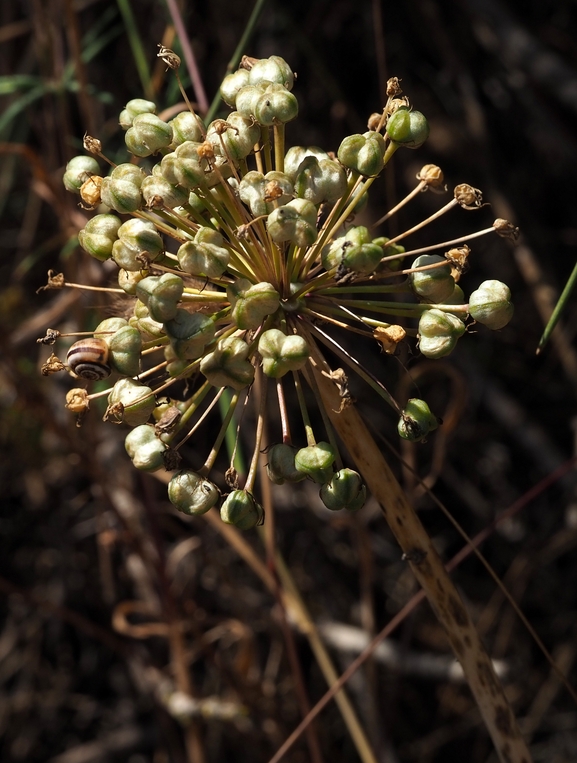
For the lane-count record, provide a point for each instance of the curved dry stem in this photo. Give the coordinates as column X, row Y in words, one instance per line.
column 430, row 573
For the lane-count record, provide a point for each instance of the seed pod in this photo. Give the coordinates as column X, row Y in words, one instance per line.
column 88, row 359
column 280, row 466
column 274, row 69
column 251, row 303
column 408, row 128
column 189, row 334
column 433, row 285
column 78, row 170
column 192, row 494
column 231, row 84
column 345, row 491
column 121, row 190
column 316, row 461
column 276, row 105
column 294, row 222
column 98, row 236
column 147, row 327
column 320, row 181
column 145, row 449
column 416, row 420
column 147, row 135
column 297, row 154
column 439, row 333
column 255, row 190
column 136, row 402
column 241, row 510
column 282, row 353
column 227, row 365
column 247, row 98
column 136, row 238
column 206, row 255
column 359, row 252
column 239, row 138
column 132, row 109
column 161, row 294
column 158, row 192
column 125, row 346
column 185, row 126
column 491, row 305
column 363, row 153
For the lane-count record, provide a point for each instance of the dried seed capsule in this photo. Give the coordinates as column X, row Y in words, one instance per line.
column 439, row 333
column 433, row 285
column 491, row 304
column 145, row 449
column 78, row 170
column 282, row 353
column 88, row 359
column 241, row 510
column 316, row 461
column 345, row 491
column 416, row 420
column 192, row 494
column 227, row 365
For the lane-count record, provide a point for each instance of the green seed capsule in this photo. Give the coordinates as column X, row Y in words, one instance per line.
column 439, row 333
column 241, row 510
column 491, row 305
column 345, row 491
column 192, row 494
column 251, row 303
column 297, row 154
column 263, row 193
column 408, row 128
column 98, row 236
column 121, row 190
column 272, row 70
column 239, row 138
column 136, row 238
column 363, row 153
column 147, row 135
column 77, row 172
column 137, row 401
column 158, row 192
column 206, row 255
column 433, row 285
column 133, row 108
column 145, row 449
column 416, row 421
column 146, row 326
column 316, row 461
column 294, row 222
column 125, row 347
column 231, row 84
column 320, row 181
column 185, row 126
column 247, row 98
column 280, row 466
column 161, row 294
column 359, row 252
column 282, row 353
column 227, row 365
column 276, row 106
column 189, row 334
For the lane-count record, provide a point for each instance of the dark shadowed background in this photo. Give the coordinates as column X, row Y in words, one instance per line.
column 84, row 536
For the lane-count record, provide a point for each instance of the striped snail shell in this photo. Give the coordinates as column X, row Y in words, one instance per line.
column 88, row 359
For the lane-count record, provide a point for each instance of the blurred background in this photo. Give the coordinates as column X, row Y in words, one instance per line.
column 106, row 594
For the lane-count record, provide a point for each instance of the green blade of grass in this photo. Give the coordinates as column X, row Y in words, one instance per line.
column 559, row 307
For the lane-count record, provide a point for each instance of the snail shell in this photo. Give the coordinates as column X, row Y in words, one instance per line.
column 88, row 359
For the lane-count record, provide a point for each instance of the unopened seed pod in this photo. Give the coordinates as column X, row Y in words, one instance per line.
column 191, row 493
column 88, row 359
